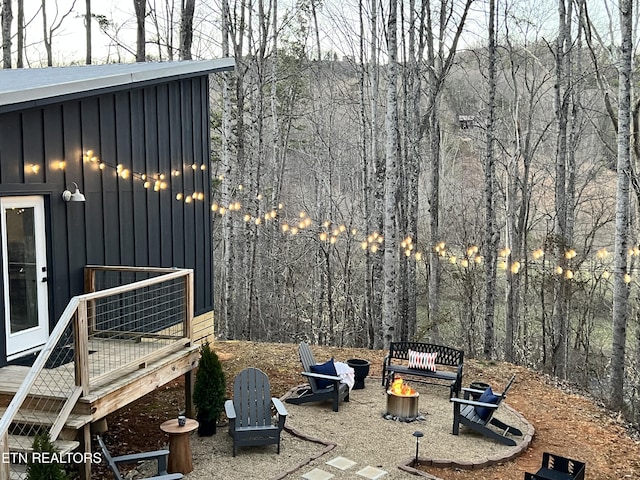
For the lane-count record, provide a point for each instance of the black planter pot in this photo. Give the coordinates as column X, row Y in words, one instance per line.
column 361, row 370
column 206, row 428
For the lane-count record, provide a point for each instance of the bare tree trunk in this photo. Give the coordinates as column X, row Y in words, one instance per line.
column 621, row 288
column 87, row 25
column 45, row 32
column 20, row 35
column 390, row 299
column 227, row 304
column 367, row 321
column 140, row 7
column 7, row 18
column 416, row 52
column 491, row 232
column 563, row 86
column 186, row 29
column 376, row 221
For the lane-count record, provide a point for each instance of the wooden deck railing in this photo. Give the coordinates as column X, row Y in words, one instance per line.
column 99, row 336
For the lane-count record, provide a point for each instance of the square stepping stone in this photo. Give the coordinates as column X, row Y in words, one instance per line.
column 317, row 474
column 372, row 473
column 341, row 463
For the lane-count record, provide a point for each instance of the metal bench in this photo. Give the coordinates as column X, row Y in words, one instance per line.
column 452, row 359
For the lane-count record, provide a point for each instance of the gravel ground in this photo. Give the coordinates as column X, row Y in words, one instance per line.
column 358, row 432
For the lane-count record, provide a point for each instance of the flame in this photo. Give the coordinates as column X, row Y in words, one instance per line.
column 401, row 389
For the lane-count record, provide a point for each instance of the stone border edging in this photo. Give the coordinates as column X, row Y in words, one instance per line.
column 510, row 454
column 328, row 446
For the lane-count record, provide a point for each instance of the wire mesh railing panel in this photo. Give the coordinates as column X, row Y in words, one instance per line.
column 53, row 385
column 134, row 324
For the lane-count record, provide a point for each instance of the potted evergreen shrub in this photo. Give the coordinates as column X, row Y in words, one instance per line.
column 209, row 391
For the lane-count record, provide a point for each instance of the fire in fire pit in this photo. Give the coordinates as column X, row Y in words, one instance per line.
column 402, row 402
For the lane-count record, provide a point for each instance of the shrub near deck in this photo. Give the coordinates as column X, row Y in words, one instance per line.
column 412, row 358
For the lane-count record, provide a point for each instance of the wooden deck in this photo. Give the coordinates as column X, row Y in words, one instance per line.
column 156, row 366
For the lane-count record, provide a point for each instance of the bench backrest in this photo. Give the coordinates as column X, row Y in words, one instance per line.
column 446, row 355
column 252, row 399
column 564, row 465
column 306, row 358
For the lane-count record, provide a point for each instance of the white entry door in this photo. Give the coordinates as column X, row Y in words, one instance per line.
column 24, row 274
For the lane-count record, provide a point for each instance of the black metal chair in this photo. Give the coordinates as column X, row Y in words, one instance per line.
column 555, row 467
column 249, row 412
column 159, row 455
column 465, row 412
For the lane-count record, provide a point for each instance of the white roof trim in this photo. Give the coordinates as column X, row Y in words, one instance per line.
column 28, row 85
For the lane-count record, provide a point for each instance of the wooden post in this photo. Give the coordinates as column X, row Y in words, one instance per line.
column 4, row 457
column 81, row 350
column 90, row 287
column 188, row 294
column 85, row 445
column 189, row 406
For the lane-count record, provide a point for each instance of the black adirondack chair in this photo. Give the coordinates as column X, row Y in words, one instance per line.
column 249, row 413
column 465, row 413
column 335, row 391
column 555, row 467
column 159, row 455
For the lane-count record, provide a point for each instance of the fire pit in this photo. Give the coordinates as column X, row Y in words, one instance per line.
column 402, row 402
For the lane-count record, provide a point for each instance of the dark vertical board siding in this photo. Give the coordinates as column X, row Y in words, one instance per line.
column 167, row 165
column 137, row 164
column 76, row 225
column 199, row 149
column 125, row 194
column 207, row 221
column 90, row 110
column 11, row 155
column 177, row 213
column 153, row 130
column 58, row 266
column 153, row 167
column 33, row 146
column 189, row 181
column 108, row 155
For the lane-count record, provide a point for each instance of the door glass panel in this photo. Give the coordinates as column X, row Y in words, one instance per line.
column 21, row 255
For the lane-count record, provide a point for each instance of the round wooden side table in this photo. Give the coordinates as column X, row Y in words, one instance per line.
column 180, row 459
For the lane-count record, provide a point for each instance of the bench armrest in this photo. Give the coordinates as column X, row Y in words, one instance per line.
column 135, row 457
column 280, row 408
column 230, row 410
column 321, row 376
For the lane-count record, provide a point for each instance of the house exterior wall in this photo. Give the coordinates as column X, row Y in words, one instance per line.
column 156, row 129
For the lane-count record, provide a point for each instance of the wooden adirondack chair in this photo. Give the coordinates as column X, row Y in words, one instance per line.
column 465, row 413
column 336, row 391
column 159, row 455
column 249, row 413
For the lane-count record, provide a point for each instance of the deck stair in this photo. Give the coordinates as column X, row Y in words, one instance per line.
column 26, row 420
column 22, row 444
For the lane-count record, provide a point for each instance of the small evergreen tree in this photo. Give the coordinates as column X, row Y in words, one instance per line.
column 44, row 470
column 210, row 387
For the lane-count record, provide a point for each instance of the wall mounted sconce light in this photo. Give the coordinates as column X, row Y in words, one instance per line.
column 76, row 196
